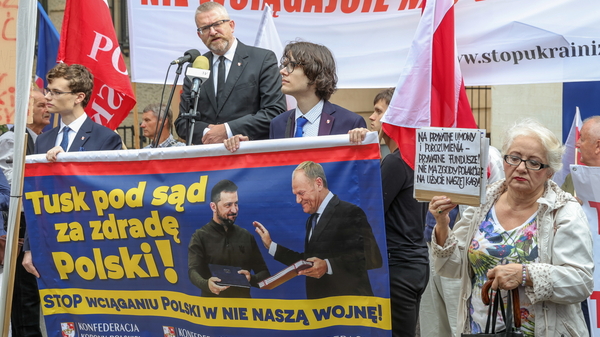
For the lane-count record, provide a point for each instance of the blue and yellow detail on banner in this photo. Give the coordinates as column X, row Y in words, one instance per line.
column 110, row 240
column 223, row 312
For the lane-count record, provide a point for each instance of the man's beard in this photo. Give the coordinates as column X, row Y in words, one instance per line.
column 226, row 221
column 219, row 47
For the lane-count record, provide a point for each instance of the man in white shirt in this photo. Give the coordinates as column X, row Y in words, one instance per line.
column 68, row 93
column 243, row 92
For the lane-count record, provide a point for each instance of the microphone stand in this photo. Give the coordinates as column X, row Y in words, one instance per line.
column 191, row 116
column 167, row 107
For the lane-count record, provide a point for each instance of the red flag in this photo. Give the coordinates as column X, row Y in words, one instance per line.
column 88, row 38
column 431, row 91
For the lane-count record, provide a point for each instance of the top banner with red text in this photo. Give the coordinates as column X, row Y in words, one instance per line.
column 586, row 181
column 112, row 231
column 498, row 41
column 88, row 38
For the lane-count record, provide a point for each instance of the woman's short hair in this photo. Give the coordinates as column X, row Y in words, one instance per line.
column 551, row 143
column 318, row 65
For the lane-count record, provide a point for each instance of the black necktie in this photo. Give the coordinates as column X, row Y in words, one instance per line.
column 221, row 77
column 313, row 223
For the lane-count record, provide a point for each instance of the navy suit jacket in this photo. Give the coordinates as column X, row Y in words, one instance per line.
column 252, row 96
column 344, row 237
column 335, row 120
column 91, row 137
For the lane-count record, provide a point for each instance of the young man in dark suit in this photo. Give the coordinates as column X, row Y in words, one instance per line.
column 250, row 92
column 309, row 75
column 339, row 240
column 68, row 93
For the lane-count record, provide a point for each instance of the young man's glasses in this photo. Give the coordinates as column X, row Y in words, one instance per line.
column 54, row 92
column 289, row 66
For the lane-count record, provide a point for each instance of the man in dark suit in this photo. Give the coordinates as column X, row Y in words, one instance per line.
column 68, row 93
column 309, row 75
column 249, row 94
column 339, row 240
column 40, row 118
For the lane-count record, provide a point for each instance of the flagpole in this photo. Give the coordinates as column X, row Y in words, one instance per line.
column 26, row 19
column 136, row 127
column 576, row 138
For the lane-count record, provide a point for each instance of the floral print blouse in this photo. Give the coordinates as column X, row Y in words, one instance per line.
column 492, row 245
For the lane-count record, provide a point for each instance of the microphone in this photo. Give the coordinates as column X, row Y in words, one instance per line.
column 188, row 56
column 198, row 73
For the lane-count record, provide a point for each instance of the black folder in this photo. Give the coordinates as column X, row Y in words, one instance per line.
column 229, row 276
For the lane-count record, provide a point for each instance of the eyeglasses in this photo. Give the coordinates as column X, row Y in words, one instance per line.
column 529, row 164
column 290, row 66
column 56, row 92
column 215, row 25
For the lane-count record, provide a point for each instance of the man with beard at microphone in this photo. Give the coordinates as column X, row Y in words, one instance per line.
column 222, row 242
column 243, row 92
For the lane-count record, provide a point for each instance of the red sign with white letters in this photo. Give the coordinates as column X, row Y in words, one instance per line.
column 90, row 40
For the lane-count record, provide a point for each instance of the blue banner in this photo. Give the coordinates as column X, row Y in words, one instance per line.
column 111, row 237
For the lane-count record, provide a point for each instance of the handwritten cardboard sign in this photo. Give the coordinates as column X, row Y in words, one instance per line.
column 8, row 49
column 451, row 162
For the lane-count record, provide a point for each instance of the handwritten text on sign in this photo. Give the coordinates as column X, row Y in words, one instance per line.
column 448, row 160
column 8, row 45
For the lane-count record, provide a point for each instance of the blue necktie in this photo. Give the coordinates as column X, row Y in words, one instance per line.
column 65, row 140
column 300, row 122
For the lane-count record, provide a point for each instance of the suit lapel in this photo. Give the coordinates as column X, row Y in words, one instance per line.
column 326, row 119
column 290, row 126
column 325, row 218
column 43, row 147
column 235, row 71
column 82, row 136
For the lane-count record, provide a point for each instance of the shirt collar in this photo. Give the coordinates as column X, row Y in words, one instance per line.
column 229, row 54
column 324, row 204
column 75, row 125
column 313, row 114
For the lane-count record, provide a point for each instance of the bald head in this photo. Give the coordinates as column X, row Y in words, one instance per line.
column 589, row 141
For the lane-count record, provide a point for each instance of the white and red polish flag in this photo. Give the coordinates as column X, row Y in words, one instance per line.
column 88, row 38
column 431, row 90
column 571, row 156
